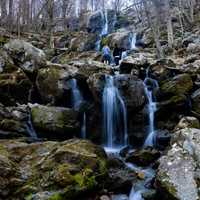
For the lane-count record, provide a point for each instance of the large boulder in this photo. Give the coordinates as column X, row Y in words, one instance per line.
column 177, row 175
column 52, row 83
column 55, row 122
column 25, row 55
column 136, row 62
column 50, row 170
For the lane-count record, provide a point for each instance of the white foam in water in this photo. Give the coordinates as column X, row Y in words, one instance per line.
column 77, row 7
column 76, row 95
column 114, row 116
column 133, row 39
column 135, row 195
column 83, row 128
column 152, row 108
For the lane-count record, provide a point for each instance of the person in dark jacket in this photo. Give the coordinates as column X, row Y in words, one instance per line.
column 117, row 53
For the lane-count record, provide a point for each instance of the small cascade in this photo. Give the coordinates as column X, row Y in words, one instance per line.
column 104, row 32
column 150, row 86
column 133, row 39
column 77, row 98
column 30, row 128
column 135, row 195
column 114, row 116
column 83, row 128
column 77, row 7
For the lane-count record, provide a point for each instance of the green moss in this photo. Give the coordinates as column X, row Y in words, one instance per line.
column 85, row 180
column 56, row 196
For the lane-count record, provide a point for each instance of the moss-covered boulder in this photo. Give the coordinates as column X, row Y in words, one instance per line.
column 55, row 122
column 181, row 84
column 50, row 170
column 51, row 83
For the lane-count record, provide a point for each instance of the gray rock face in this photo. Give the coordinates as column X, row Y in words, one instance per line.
column 25, row 55
column 55, row 122
column 176, row 176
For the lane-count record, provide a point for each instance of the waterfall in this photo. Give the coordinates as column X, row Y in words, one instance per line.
column 76, row 95
column 150, row 86
column 104, row 15
column 30, row 129
column 83, row 128
column 133, row 39
column 77, row 7
column 104, row 32
column 114, row 116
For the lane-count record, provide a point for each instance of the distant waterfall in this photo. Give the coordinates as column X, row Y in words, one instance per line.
column 104, row 32
column 133, row 39
column 83, row 128
column 150, row 86
column 114, row 116
column 77, row 8
column 76, row 95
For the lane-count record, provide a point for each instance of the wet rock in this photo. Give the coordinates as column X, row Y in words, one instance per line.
column 191, row 68
column 188, row 122
column 50, row 170
column 143, row 157
column 149, row 195
column 162, row 139
column 176, row 173
column 121, row 180
column 55, row 122
column 25, row 55
column 104, row 197
column 132, row 90
column 120, row 197
column 196, row 101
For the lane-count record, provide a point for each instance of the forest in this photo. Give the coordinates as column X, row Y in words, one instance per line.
column 99, row 99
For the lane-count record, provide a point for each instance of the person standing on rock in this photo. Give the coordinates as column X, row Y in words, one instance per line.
column 106, row 55
column 117, row 54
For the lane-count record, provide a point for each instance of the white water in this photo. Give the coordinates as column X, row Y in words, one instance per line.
column 135, row 195
column 76, row 95
column 30, row 128
column 133, row 38
column 152, row 108
column 104, row 16
column 114, row 116
column 83, row 128
column 77, row 7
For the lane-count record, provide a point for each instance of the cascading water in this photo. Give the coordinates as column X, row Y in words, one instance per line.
column 150, row 86
column 77, row 98
column 83, row 128
column 30, row 128
column 133, row 39
column 77, row 7
column 114, row 116
column 104, row 32
column 132, row 44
